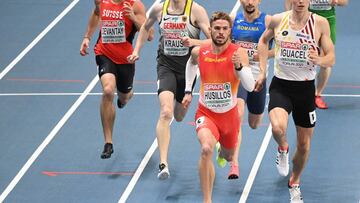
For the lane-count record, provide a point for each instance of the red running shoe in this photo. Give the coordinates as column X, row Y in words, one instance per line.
column 319, row 102
column 234, row 171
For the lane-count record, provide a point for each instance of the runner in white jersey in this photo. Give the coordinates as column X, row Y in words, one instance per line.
column 177, row 19
column 298, row 34
column 326, row 9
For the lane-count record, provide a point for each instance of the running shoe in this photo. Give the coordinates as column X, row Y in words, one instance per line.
column 234, row 171
column 119, row 104
column 319, row 102
column 108, row 150
column 220, row 160
column 295, row 194
column 163, row 172
column 282, row 162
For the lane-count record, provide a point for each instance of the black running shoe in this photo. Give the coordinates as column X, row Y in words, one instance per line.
column 108, row 150
column 119, row 104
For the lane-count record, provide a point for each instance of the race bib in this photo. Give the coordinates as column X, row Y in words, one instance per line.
column 113, row 31
column 251, row 49
column 320, row 5
column 294, row 55
column 173, row 29
column 217, row 95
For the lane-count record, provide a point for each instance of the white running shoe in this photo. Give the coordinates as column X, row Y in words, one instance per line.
column 163, row 172
column 295, row 194
column 282, row 162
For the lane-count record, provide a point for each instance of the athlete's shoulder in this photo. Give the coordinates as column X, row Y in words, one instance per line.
column 277, row 18
column 195, row 7
column 156, row 10
column 320, row 21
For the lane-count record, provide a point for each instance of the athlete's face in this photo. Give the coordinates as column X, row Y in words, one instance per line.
column 220, row 32
column 300, row 5
column 250, row 6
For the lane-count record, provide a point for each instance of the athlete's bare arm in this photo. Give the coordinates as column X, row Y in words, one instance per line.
column 154, row 16
column 190, row 74
column 271, row 52
column 263, row 48
column 200, row 19
column 325, row 42
column 339, row 2
column 91, row 28
column 135, row 13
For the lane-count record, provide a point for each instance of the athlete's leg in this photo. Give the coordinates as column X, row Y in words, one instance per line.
column 324, row 72
column 206, row 167
column 256, row 106
column 124, row 98
column 179, row 111
column 322, row 80
column 166, row 99
column 240, row 108
column 302, row 152
column 107, row 109
column 124, row 83
column 279, row 120
column 255, row 120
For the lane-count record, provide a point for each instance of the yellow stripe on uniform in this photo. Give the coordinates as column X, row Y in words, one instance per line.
column 284, row 24
column 165, row 7
column 188, row 8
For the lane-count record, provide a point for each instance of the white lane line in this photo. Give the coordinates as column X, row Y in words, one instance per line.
column 136, row 93
column 37, row 39
column 48, row 139
column 235, row 9
column 146, row 158
column 138, row 172
column 66, row 94
column 260, row 155
column 255, row 168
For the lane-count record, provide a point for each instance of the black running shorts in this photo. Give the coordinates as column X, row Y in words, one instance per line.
column 124, row 73
column 296, row 97
column 169, row 80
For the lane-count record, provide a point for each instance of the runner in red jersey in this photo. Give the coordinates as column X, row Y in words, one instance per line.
column 222, row 66
column 119, row 20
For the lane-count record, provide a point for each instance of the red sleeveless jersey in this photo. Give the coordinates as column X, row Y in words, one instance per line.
column 116, row 32
column 219, row 84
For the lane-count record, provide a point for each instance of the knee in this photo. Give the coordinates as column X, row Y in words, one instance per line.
column 206, row 152
column 254, row 124
column 278, row 129
column 179, row 118
column 303, row 146
column 108, row 93
column 124, row 98
column 166, row 113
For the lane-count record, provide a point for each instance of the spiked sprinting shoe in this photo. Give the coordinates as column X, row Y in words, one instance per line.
column 282, row 162
column 220, row 160
column 163, row 172
column 234, row 171
column 295, row 193
column 108, row 150
column 319, row 102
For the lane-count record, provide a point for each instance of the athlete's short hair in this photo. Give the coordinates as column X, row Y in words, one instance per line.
column 219, row 15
